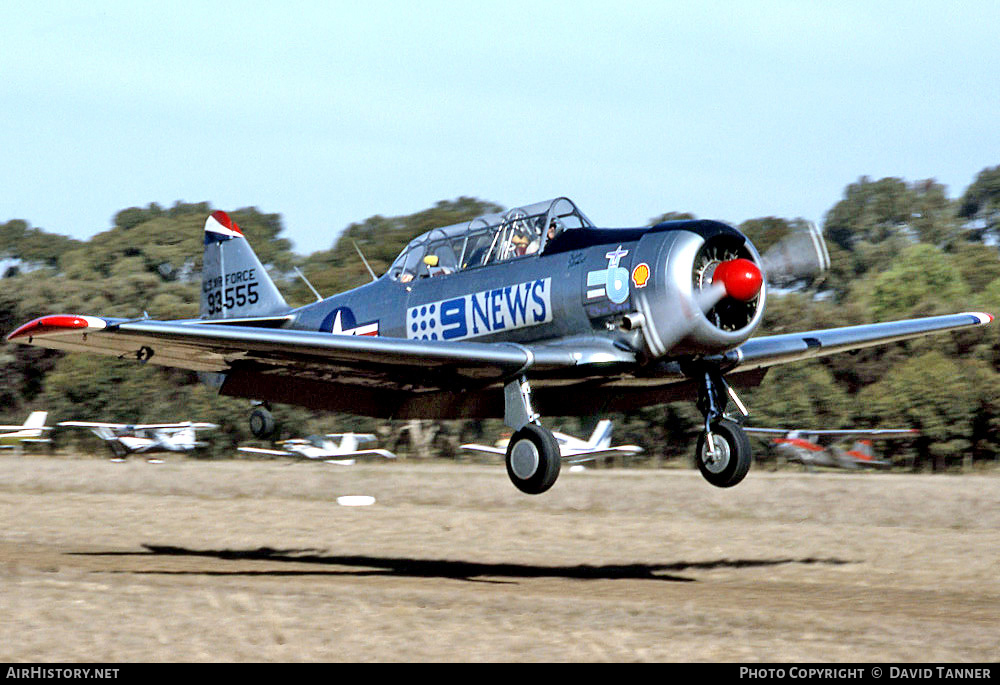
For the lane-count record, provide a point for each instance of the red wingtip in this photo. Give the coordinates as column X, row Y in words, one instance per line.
column 56, row 322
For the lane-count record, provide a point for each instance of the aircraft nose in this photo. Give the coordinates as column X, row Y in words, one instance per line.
column 741, row 278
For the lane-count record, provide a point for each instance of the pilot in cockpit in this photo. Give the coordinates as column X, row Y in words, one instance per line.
column 555, row 228
column 522, row 241
column 536, row 241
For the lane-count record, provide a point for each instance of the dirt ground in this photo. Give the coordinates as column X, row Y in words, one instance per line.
column 255, row 561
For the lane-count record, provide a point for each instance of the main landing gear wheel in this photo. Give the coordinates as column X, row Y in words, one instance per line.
column 533, row 459
column 731, row 461
column 261, row 423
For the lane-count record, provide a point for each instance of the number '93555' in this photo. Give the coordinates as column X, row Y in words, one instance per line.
column 233, row 297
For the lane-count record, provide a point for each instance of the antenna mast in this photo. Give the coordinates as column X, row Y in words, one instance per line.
column 367, row 266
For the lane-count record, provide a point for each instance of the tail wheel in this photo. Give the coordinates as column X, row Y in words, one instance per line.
column 261, row 423
column 533, row 459
column 731, row 461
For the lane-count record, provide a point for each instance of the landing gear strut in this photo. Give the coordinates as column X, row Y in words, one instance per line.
column 533, row 457
column 723, row 451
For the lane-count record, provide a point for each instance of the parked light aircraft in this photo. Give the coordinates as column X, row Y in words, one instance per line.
column 124, row 439
column 802, row 445
column 325, row 447
column 574, row 450
column 29, row 432
column 531, row 310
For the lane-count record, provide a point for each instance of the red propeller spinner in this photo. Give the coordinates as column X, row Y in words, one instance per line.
column 741, row 277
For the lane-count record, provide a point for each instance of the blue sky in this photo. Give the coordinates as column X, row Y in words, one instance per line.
column 329, row 112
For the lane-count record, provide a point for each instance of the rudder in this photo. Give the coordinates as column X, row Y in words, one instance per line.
column 234, row 284
column 863, row 450
column 601, row 437
column 36, row 419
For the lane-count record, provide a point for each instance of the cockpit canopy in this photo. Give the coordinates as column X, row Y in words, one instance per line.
column 488, row 239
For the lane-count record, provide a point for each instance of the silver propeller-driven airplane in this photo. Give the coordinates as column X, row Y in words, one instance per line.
column 27, row 433
column 803, row 446
column 326, row 448
column 124, row 439
column 533, row 310
column 573, row 450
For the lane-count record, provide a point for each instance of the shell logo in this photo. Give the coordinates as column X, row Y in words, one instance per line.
column 640, row 274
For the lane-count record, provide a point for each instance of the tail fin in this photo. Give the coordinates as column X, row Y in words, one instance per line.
column 601, row 437
column 234, row 284
column 36, row 419
column 348, row 443
column 862, row 450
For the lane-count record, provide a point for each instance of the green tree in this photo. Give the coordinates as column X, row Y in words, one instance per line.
column 980, row 205
column 921, row 281
column 671, row 216
column 870, row 212
column 875, row 220
column 934, row 394
column 764, row 233
column 803, row 395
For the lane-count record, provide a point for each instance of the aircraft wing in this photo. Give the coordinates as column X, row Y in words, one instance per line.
column 844, row 433
column 485, row 449
column 101, row 424
column 590, row 455
column 261, row 450
column 314, row 368
column 771, row 350
column 212, row 347
column 281, row 453
column 366, row 453
column 95, row 424
column 569, row 457
column 185, row 424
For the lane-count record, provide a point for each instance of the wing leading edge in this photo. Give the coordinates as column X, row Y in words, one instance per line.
column 789, row 347
column 217, row 348
column 839, row 432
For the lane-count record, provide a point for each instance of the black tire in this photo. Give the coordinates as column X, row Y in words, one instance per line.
column 733, row 462
column 261, row 423
column 533, row 459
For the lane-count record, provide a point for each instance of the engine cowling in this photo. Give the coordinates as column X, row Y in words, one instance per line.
column 706, row 293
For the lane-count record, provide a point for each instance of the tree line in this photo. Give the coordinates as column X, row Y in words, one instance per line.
column 898, row 249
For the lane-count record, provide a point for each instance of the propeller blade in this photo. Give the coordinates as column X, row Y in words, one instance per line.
column 798, row 256
column 708, row 297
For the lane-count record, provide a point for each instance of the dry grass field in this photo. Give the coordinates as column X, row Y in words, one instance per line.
column 255, row 561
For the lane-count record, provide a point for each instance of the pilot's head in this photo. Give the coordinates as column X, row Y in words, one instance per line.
column 554, row 228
